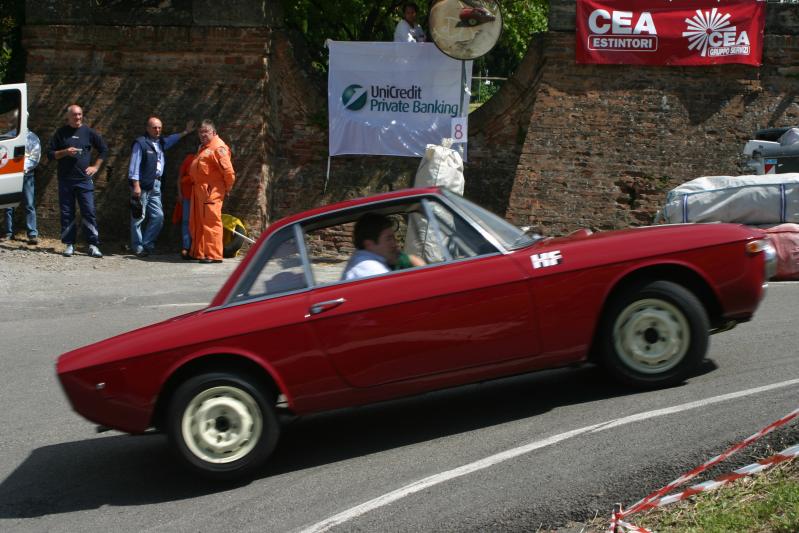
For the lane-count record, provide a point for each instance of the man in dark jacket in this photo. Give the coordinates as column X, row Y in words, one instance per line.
column 71, row 146
column 147, row 164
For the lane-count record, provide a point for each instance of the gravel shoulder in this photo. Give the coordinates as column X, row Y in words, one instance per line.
column 43, row 274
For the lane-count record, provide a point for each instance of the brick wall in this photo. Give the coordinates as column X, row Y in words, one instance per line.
column 172, row 64
column 559, row 147
column 605, row 142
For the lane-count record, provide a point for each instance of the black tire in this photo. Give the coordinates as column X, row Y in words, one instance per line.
column 654, row 335
column 221, row 426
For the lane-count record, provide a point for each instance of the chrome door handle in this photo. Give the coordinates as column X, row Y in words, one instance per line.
column 326, row 306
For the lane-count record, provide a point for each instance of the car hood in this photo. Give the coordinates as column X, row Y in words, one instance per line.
column 147, row 339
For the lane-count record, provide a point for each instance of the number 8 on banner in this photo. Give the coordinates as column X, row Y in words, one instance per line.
column 460, row 130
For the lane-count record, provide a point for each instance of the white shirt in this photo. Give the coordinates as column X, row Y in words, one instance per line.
column 403, row 33
column 33, row 149
column 363, row 264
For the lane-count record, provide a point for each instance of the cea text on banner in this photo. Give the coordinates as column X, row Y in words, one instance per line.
column 392, row 98
column 679, row 32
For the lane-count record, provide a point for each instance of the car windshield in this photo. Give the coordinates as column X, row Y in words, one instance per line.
column 508, row 235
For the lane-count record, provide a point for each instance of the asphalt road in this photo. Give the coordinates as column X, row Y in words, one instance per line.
column 507, row 455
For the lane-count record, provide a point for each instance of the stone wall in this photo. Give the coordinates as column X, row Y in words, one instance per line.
column 605, row 142
column 122, row 61
column 174, row 64
column 560, row 146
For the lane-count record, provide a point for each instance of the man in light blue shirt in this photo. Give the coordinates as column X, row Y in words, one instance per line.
column 33, row 153
column 377, row 248
column 147, row 163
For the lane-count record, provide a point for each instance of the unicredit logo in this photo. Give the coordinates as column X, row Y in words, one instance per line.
column 354, row 97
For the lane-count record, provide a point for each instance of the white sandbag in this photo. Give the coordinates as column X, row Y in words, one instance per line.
column 441, row 166
column 763, row 199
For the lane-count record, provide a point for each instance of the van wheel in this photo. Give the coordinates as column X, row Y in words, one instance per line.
column 221, row 426
column 654, row 335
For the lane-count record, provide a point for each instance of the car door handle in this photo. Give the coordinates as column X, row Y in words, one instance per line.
column 19, row 151
column 326, row 306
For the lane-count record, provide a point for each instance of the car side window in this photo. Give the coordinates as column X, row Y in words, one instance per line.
column 458, row 238
column 423, row 239
column 427, row 232
column 329, row 248
column 278, row 269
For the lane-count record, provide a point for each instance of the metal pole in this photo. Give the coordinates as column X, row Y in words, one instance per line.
column 464, row 89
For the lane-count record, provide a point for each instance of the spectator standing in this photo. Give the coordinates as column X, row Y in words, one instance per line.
column 71, row 146
column 33, row 153
column 183, row 207
column 147, row 164
column 407, row 30
column 212, row 177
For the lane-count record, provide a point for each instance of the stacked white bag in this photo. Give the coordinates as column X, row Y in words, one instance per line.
column 441, row 166
column 754, row 200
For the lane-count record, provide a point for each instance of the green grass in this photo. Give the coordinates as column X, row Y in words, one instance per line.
column 767, row 502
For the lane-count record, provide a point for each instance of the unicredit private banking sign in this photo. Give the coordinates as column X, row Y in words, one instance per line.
column 676, row 32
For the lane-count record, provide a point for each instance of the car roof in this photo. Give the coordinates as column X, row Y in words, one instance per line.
column 346, row 204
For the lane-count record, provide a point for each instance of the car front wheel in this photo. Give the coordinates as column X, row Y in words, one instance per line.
column 654, row 335
column 221, row 425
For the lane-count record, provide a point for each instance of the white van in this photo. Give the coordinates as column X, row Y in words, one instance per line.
column 13, row 133
column 773, row 151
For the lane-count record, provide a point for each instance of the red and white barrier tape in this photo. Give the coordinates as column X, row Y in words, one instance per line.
column 632, row 528
column 785, row 455
column 651, row 501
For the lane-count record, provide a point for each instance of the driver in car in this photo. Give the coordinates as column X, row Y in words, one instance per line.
column 377, row 249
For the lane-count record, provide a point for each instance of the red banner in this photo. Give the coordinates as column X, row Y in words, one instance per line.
column 670, row 32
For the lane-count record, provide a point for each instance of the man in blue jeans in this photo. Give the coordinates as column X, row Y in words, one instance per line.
column 72, row 146
column 147, row 164
column 33, row 153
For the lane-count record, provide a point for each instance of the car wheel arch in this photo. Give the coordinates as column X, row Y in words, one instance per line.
column 680, row 274
column 215, row 362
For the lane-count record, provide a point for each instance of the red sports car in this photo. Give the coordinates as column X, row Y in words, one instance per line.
column 297, row 329
column 472, row 16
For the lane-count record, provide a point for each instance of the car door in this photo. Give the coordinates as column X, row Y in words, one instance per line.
column 462, row 312
column 13, row 134
column 267, row 314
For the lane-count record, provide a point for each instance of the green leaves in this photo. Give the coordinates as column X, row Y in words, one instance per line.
column 315, row 21
column 11, row 18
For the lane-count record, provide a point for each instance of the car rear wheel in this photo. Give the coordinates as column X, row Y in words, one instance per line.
column 221, row 425
column 654, row 335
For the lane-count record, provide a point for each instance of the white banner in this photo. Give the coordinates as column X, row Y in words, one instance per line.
column 388, row 98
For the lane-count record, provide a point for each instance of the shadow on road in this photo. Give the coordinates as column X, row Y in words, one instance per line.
column 122, row 470
column 88, row 474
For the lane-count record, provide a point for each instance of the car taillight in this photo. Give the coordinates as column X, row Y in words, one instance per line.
column 765, row 247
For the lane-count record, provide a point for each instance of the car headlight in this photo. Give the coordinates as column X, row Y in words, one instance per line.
column 765, row 247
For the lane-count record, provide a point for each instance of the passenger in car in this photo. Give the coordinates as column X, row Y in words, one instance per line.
column 377, row 249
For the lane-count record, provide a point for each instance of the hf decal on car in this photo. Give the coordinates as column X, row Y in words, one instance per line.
column 546, row 259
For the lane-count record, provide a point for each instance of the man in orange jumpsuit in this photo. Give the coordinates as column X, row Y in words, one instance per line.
column 212, row 178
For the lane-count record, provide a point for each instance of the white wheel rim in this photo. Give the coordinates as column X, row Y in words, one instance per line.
column 222, row 424
column 651, row 336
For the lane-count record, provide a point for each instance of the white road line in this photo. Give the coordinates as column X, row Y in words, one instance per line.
column 416, row 486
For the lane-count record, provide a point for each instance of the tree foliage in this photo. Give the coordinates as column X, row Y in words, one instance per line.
column 12, row 13
column 374, row 20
